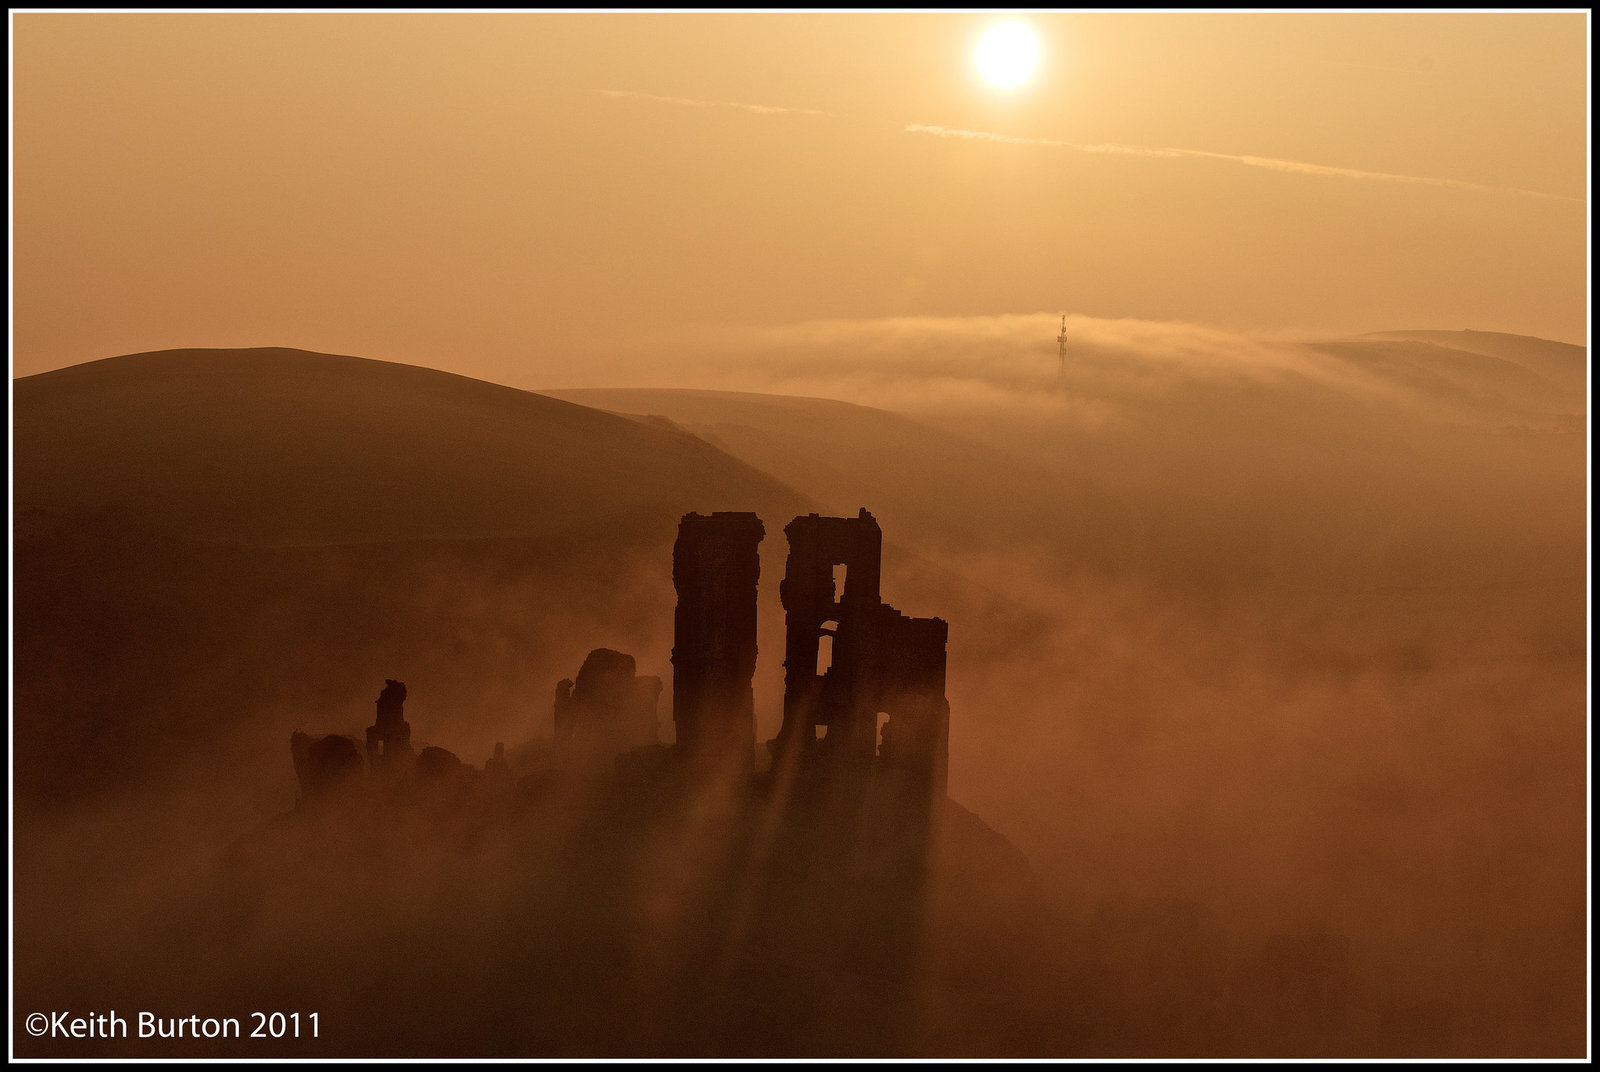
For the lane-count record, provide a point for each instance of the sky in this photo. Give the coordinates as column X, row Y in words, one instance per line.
column 526, row 197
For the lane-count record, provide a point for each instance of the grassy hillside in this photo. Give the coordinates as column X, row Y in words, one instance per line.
column 273, row 446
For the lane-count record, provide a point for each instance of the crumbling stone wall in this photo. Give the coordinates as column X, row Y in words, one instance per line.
column 882, row 662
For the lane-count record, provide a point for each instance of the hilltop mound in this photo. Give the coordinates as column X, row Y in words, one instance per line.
column 277, row 446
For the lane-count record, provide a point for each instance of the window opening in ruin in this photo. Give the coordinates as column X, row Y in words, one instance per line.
column 824, row 653
column 883, row 717
column 839, row 572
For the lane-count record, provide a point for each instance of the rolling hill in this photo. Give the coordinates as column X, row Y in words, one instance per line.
column 276, row 446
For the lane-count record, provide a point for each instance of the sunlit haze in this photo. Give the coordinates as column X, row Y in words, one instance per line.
column 520, row 196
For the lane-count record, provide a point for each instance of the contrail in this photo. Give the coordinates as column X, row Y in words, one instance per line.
column 1293, row 167
column 1296, row 167
column 759, row 109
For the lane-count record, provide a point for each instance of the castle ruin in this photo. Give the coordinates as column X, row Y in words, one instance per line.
column 864, row 684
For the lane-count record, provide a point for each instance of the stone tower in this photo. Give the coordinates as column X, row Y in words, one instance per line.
column 389, row 737
column 715, row 567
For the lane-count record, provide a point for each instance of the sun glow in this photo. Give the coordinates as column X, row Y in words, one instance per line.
column 1007, row 54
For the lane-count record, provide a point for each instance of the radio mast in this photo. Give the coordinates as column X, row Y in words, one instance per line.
column 1061, row 353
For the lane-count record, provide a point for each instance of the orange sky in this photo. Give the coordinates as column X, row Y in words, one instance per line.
column 513, row 196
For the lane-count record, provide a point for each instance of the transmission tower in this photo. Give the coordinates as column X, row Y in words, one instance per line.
column 1061, row 353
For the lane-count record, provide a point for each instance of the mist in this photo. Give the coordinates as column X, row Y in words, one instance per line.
column 1317, row 661
column 1267, row 654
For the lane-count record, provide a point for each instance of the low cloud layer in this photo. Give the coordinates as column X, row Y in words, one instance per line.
column 1010, row 366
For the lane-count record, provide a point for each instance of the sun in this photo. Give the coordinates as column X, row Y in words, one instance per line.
column 1007, row 54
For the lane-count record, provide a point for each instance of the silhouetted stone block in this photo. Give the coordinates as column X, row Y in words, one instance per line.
column 496, row 766
column 438, row 765
column 324, row 765
column 609, row 709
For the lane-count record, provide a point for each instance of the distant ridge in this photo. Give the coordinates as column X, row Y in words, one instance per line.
column 918, row 477
column 1566, row 365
